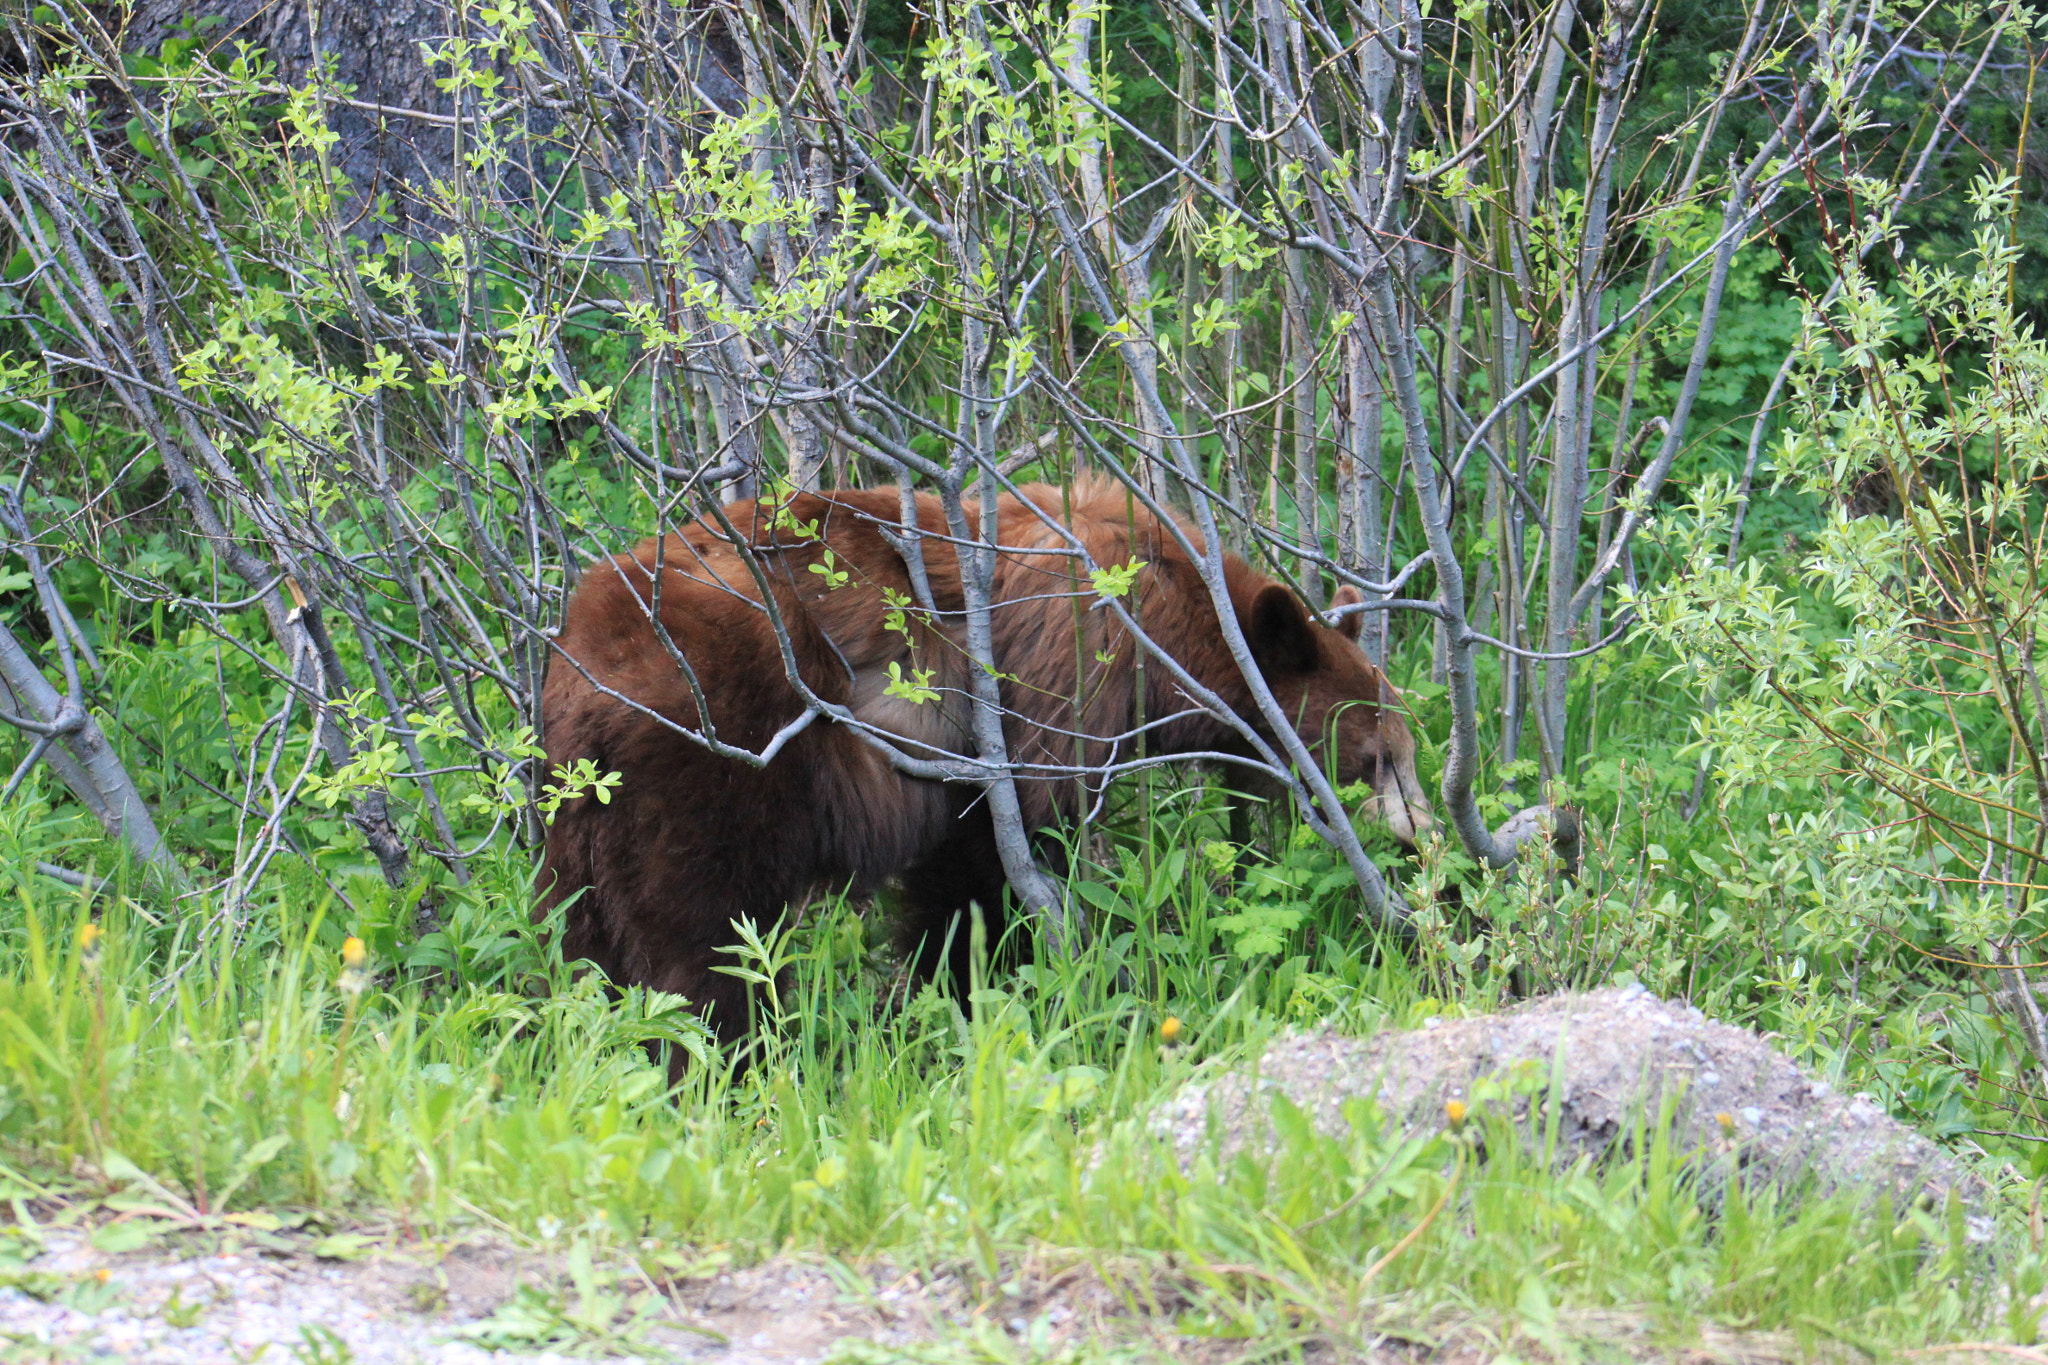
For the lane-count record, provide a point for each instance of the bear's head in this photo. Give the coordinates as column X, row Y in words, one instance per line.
column 1344, row 709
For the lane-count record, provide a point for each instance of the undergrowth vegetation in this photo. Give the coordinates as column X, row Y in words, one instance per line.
column 328, row 1061
column 303, row 483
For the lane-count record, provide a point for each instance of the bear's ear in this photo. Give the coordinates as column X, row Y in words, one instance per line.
column 1348, row 595
column 1277, row 628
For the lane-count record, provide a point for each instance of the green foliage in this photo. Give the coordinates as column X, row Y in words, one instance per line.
column 916, row 687
column 1115, row 580
column 1861, row 688
column 1876, row 701
column 871, row 1122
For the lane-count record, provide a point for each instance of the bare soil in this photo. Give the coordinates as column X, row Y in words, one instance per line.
column 274, row 1299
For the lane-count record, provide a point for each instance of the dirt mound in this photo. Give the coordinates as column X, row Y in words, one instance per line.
column 1613, row 1055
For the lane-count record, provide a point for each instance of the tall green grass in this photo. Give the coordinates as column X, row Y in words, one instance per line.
column 474, row 1083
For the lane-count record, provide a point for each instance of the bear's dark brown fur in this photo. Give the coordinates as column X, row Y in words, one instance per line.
column 691, row 841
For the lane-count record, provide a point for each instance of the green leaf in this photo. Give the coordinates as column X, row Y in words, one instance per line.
column 1115, row 580
column 132, row 1235
column 1104, row 899
column 916, row 689
column 344, row 1246
column 20, row 1243
column 251, row 1161
column 1069, row 1089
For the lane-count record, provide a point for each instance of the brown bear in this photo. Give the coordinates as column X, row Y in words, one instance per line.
column 691, row 841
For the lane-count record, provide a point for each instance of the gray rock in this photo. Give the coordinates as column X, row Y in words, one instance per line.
column 1618, row 1054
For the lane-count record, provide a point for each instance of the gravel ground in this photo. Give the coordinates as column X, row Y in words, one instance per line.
column 282, row 1304
column 276, row 1303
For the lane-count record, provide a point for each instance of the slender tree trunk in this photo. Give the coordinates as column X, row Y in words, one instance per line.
column 83, row 760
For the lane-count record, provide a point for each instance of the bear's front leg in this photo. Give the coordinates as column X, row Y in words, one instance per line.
column 936, row 930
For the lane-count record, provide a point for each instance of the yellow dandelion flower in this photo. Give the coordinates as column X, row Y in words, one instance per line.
column 1726, row 1120
column 1455, row 1111
column 354, row 980
column 1169, row 1029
